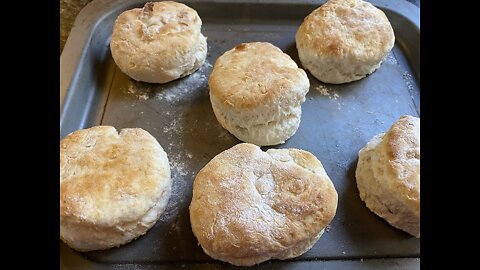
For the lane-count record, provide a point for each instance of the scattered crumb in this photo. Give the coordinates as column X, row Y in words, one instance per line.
column 140, row 94
column 324, row 91
column 327, row 229
column 391, row 59
column 189, row 155
column 173, row 127
column 361, row 259
column 407, row 77
column 177, row 166
column 343, row 252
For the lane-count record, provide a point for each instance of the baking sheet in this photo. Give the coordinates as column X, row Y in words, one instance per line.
column 337, row 121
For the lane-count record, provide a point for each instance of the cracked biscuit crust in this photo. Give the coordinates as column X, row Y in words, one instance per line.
column 250, row 206
column 113, row 186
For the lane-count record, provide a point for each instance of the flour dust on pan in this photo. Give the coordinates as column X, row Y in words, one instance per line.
column 186, row 87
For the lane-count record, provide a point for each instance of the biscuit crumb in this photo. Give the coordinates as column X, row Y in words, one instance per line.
column 407, row 77
column 324, row 91
column 140, row 94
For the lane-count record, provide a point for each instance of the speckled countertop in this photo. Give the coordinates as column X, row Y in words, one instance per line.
column 68, row 12
column 70, row 8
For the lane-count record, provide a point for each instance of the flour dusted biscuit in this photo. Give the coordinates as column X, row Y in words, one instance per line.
column 344, row 40
column 113, row 186
column 250, row 206
column 158, row 43
column 388, row 175
column 256, row 92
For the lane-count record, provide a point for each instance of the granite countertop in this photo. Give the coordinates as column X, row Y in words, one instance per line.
column 70, row 8
column 68, row 12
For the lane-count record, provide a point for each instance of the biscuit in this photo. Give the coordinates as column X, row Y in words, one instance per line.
column 344, row 40
column 250, row 206
column 158, row 43
column 256, row 92
column 113, row 186
column 388, row 175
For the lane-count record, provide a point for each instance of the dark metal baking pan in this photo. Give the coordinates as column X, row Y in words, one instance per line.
column 336, row 122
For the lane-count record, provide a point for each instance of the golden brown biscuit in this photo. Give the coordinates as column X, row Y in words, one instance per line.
column 256, row 92
column 158, row 43
column 344, row 40
column 388, row 175
column 250, row 206
column 113, row 186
